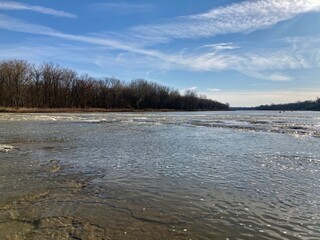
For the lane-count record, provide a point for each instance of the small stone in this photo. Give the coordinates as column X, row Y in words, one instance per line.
column 6, row 148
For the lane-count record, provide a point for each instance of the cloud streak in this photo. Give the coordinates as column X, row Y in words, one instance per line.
column 122, row 7
column 14, row 24
column 10, row 5
column 242, row 17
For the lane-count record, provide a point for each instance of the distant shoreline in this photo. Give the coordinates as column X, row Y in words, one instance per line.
column 89, row 110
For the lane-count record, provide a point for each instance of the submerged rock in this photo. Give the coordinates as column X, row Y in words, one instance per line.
column 6, row 148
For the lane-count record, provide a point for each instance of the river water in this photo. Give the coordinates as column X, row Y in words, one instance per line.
column 199, row 175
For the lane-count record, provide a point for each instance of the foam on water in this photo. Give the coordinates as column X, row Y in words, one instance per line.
column 295, row 124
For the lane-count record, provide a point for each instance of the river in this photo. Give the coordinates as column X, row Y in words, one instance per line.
column 176, row 175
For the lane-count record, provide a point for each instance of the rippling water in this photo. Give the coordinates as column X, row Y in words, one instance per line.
column 202, row 175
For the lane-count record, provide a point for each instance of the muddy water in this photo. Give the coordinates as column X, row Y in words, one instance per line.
column 232, row 175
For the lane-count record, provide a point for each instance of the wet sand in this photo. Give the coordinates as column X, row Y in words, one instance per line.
column 58, row 202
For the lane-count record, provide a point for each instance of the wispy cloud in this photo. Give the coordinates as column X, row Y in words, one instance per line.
column 14, row 24
column 268, row 64
column 10, row 5
column 18, row 25
column 122, row 7
column 267, row 75
column 242, row 17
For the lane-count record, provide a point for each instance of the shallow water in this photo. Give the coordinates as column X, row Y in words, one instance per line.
column 202, row 175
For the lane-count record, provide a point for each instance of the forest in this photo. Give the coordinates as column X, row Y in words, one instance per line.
column 51, row 86
column 297, row 106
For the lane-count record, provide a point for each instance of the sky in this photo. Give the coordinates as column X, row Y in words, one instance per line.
column 244, row 53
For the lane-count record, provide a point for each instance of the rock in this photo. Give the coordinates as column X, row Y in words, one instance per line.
column 6, row 148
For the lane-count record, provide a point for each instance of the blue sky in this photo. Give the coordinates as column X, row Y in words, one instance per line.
column 245, row 53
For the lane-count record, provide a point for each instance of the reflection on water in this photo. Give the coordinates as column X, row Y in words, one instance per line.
column 232, row 175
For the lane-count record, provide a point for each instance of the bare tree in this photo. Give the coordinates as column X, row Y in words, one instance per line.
column 50, row 85
column 15, row 74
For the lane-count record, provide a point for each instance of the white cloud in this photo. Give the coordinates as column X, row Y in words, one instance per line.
column 184, row 90
column 267, row 66
column 314, row 4
column 213, row 89
column 10, row 5
column 122, row 7
column 220, row 46
column 242, row 17
column 192, row 88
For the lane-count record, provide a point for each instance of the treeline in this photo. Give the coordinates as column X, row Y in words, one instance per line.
column 297, row 106
column 50, row 86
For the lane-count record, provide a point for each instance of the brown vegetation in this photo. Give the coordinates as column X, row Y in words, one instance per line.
column 49, row 87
